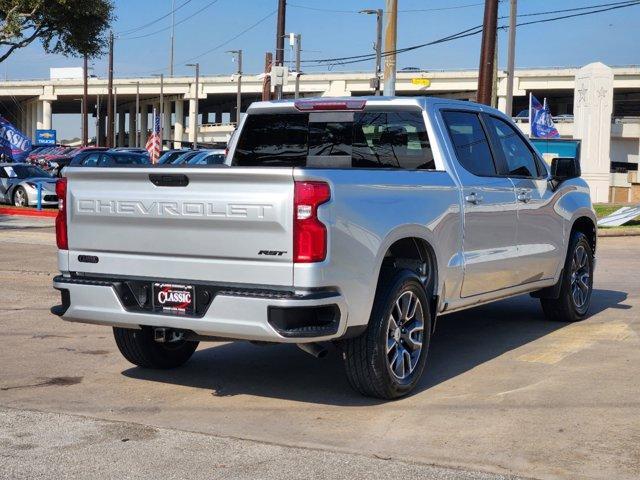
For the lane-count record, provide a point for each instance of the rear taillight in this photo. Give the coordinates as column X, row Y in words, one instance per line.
column 309, row 233
column 61, row 220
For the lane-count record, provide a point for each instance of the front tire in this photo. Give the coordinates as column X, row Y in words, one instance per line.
column 388, row 359
column 139, row 347
column 574, row 300
column 20, row 197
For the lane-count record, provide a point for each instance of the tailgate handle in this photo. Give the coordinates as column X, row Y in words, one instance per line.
column 163, row 180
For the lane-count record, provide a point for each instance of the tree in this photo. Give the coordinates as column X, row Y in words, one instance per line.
column 68, row 27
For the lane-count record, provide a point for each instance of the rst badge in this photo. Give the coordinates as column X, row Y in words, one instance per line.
column 173, row 298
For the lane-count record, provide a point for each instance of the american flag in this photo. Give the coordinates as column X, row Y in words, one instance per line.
column 154, row 144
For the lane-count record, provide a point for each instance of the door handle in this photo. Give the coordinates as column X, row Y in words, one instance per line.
column 474, row 198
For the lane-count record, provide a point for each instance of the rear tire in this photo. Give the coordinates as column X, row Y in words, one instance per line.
column 576, row 287
column 388, row 359
column 139, row 347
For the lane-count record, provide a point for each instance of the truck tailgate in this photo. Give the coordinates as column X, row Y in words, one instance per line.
column 227, row 225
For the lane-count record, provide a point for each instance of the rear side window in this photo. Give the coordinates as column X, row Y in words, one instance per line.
column 470, row 141
column 273, row 140
column 371, row 139
column 90, row 160
column 520, row 159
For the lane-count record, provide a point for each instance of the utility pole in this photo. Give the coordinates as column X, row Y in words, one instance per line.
column 266, row 82
column 173, row 31
column 282, row 8
column 390, row 42
column 85, row 104
column 111, row 124
column 136, row 120
column 487, row 52
column 298, row 40
column 378, row 47
column 195, row 124
column 511, row 55
column 238, row 56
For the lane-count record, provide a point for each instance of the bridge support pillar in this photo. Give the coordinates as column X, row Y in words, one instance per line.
column 166, row 121
column 39, row 115
column 121, row 132
column 132, row 127
column 178, row 130
column 193, row 119
column 47, row 115
column 33, row 120
column 144, row 118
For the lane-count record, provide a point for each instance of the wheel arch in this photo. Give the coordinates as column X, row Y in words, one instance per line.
column 587, row 226
column 414, row 252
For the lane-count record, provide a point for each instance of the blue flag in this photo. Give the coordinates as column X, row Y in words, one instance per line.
column 541, row 122
column 19, row 143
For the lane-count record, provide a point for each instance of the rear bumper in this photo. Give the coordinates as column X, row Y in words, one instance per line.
column 248, row 314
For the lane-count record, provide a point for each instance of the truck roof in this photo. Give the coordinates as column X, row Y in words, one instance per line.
column 418, row 101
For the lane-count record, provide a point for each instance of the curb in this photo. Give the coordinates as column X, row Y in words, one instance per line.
column 28, row 212
column 619, row 232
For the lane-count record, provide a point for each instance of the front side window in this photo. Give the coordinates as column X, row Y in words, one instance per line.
column 370, row 139
column 520, row 159
column 25, row 171
column 470, row 142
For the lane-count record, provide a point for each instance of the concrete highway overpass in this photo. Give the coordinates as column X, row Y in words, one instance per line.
column 30, row 104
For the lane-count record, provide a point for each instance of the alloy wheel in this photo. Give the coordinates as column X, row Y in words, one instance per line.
column 20, row 198
column 580, row 277
column 405, row 335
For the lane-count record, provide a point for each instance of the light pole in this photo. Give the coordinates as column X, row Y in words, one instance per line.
column 295, row 40
column 511, row 55
column 238, row 56
column 173, row 31
column 195, row 123
column 378, row 46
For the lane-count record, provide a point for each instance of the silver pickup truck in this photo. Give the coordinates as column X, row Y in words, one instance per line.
column 355, row 220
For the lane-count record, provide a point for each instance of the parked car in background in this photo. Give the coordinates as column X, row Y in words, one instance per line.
column 184, row 158
column 56, row 164
column 109, row 159
column 169, row 156
column 130, row 150
column 19, row 185
column 208, row 157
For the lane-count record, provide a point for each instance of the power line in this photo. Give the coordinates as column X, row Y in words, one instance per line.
column 434, row 9
column 177, row 23
column 476, row 30
column 141, row 27
column 226, row 42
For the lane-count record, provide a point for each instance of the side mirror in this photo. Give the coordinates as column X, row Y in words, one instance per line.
column 564, row 168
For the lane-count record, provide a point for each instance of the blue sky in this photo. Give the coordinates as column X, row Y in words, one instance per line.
column 611, row 37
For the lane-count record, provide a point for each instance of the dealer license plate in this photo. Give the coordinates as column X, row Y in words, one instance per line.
column 171, row 298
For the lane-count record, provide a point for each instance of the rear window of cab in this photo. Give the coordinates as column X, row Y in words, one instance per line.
column 336, row 139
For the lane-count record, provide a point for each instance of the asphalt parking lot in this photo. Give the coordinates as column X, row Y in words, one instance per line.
column 506, row 393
